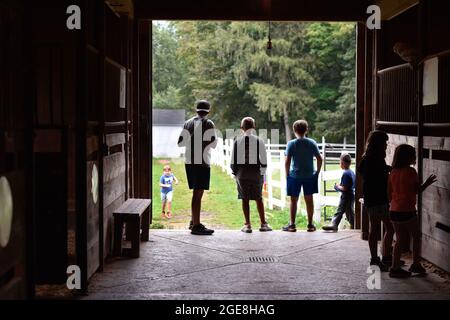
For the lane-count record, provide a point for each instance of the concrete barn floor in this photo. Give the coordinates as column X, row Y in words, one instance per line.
column 177, row 265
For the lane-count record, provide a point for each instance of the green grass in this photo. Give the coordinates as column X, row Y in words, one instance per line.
column 220, row 207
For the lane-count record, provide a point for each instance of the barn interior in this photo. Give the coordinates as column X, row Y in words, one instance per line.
column 75, row 115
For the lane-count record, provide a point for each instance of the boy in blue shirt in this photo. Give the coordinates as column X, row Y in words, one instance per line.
column 300, row 173
column 166, row 183
column 347, row 190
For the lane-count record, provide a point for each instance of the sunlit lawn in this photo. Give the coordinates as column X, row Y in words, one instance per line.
column 220, row 207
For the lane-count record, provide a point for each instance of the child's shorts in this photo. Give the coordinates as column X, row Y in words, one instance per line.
column 379, row 211
column 294, row 186
column 250, row 189
column 198, row 176
column 167, row 197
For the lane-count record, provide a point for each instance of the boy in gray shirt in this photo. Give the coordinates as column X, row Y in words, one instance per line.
column 249, row 163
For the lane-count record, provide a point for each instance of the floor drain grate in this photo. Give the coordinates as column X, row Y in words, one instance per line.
column 261, row 259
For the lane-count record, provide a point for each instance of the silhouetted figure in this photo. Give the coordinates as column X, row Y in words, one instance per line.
column 198, row 136
column 403, row 188
column 375, row 174
column 347, row 200
column 249, row 164
column 299, row 166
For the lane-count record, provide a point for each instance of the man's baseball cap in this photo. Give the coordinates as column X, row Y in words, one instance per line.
column 203, row 106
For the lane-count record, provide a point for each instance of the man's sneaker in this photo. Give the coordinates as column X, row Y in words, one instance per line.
column 201, row 230
column 331, row 227
column 247, row 228
column 417, row 268
column 377, row 262
column 387, row 260
column 265, row 227
column 191, row 224
column 290, row 228
column 399, row 273
column 311, row 228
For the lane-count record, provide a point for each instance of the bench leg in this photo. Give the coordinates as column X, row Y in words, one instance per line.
column 145, row 225
column 135, row 238
column 128, row 232
column 118, row 228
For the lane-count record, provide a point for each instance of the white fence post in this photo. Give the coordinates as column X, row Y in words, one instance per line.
column 269, row 182
column 282, row 179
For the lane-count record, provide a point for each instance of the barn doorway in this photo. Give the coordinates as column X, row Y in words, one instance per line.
column 238, row 66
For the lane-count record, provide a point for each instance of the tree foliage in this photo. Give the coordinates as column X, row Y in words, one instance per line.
column 309, row 73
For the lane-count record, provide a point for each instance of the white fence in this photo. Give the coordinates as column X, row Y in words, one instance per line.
column 276, row 174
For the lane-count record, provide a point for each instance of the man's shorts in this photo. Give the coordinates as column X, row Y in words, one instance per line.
column 379, row 211
column 250, row 189
column 294, row 186
column 198, row 176
column 167, row 197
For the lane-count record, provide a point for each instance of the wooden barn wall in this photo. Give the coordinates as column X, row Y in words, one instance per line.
column 397, row 95
column 398, row 115
column 13, row 155
column 437, row 27
column 54, row 77
column 117, row 75
column 93, row 149
column 402, row 28
column 435, row 217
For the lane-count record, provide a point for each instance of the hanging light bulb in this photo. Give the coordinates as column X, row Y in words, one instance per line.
column 269, row 43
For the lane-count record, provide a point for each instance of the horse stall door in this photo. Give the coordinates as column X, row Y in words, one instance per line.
column 50, row 163
column 51, row 206
column 93, row 150
column 14, row 198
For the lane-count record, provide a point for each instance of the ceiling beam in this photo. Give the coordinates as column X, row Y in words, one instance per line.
column 392, row 8
column 276, row 10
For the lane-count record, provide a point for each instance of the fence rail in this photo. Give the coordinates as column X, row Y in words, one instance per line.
column 275, row 178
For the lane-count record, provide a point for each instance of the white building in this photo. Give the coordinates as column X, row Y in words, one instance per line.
column 166, row 126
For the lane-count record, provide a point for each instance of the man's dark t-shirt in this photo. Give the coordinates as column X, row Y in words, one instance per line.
column 375, row 173
column 202, row 130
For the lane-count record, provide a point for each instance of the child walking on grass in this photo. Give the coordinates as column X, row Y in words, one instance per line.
column 166, row 183
column 347, row 201
column 403, row 188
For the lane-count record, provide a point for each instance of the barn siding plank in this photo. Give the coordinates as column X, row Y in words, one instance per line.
column 115, row 139
column 441, row 169
column 429, row 220
column 113, row 165
column 436, row 252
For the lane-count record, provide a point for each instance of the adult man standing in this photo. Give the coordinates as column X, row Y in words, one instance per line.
column 198, row 136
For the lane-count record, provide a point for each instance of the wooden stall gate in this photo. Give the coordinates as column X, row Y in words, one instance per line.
column 14, row 192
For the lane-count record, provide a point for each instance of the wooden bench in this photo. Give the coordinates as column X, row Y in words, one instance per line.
column 135, row 213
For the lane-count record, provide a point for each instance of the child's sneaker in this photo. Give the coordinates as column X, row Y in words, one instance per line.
column 399, row 273
column 311, row 228
column 377, row 262
column 247, row 228
column 169, row 215
column 163, row 215
column 417, row 268
column 265, row 227
column 290, row 228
